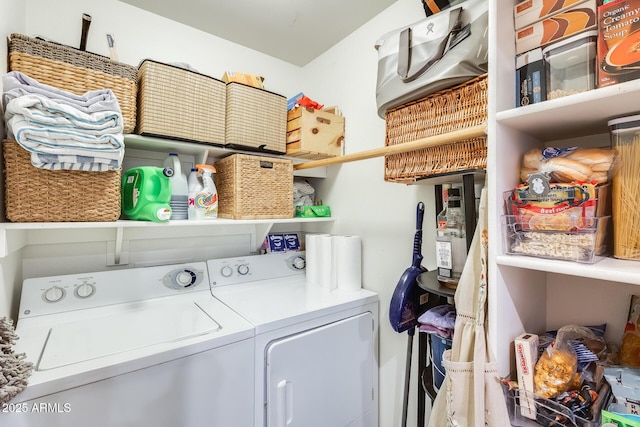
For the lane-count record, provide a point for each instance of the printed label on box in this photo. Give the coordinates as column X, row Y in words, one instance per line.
column 618, row 39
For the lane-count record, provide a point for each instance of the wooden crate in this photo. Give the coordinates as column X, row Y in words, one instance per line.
column 314, row 134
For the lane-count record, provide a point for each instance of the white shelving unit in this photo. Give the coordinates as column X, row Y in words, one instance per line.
column 532, row 294
column 15, row 236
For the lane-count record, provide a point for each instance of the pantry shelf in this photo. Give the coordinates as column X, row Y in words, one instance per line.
column 590, row 112
column 609, row 269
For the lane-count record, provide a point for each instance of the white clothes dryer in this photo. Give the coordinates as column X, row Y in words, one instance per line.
column 316, row 349
column 137, row 347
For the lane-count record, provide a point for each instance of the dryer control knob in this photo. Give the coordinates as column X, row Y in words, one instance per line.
column 243, row 269
column 53, row 294
column 226, row 271
column 85, row 290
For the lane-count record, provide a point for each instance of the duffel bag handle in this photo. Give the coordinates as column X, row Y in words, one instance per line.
column 440, row 47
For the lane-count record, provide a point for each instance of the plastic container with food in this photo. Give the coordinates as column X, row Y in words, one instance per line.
column 582, row 245
column 625, row 138
column 570, row 65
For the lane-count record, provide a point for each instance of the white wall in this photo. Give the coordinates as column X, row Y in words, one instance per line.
column 383, row 214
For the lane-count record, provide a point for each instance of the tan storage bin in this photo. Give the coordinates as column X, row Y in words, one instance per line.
column 75, row 71
column 254, row 187
column 40, row 195
column 314, row 134
column 177, row 103
column 256, row 119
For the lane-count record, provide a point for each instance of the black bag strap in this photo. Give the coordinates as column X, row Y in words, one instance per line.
column 440, row 48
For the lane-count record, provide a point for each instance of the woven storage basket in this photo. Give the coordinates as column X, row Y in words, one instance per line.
column 39, row 195
column 449, row 110
column 254, row 187
column 75, row 71
column 256, row 119
column 181, row 104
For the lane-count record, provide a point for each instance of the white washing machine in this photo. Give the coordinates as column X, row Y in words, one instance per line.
column 138, row 347
column 316, row 349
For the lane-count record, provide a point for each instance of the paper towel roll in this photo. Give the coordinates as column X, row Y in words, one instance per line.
column 348, row 262
column 315, row 263
column 325, row 262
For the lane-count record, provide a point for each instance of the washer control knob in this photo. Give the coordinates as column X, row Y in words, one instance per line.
column 299, row 263
column 243, row 269
column 85, row 290
column 226, row 271
column 53, row 294
column 184, row 278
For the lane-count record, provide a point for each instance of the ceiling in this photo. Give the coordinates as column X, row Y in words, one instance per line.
column 295, row 31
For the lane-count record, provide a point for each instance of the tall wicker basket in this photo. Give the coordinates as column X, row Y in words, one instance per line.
column 75, row 71
column 446, row 111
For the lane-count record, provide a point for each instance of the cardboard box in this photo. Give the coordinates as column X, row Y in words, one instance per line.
column 247, row 79
column 530, row 78
column 529, row 11
column 314, row 134
column 618, row 58
column 526, row 346
column 557, row 27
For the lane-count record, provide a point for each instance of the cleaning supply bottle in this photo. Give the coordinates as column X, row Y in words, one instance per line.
column 194, row 186
column 179, row 188
column 206, row 198
column 146, row 193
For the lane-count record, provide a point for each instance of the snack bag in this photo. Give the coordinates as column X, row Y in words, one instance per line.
column 556, row 368
column 630, row 347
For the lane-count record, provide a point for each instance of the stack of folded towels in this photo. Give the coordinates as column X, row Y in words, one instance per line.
column 62, row 130
column 439, row 320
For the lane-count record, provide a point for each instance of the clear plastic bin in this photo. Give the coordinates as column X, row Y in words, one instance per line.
column 570, row 65
column 582, row 245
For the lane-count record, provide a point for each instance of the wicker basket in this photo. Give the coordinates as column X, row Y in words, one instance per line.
column 449, row 110
column 39, row 195
column 75, row 71
column 254, row 187
column 181, row 104
column 256, row 119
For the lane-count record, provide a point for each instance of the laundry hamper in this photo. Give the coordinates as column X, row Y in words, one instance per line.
column 39, row 195
column 449, row 110
column 76, row 71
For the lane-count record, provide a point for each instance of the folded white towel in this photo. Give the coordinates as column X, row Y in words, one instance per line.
column 17, row 84
column 74, row 150
column 38, row 110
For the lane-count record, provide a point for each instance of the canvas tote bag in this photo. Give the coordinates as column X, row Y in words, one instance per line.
column 439, row 52
column 471, row 394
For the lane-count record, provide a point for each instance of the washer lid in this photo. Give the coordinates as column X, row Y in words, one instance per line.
column 147, row 324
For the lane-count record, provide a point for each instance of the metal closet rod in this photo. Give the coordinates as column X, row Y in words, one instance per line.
column 431, row 141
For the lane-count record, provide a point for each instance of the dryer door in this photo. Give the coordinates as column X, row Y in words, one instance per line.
column 323, row 377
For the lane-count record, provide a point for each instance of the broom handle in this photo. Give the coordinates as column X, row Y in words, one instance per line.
column 407, row 376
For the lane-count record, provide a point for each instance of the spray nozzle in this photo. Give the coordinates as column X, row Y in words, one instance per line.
column 208, row 169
